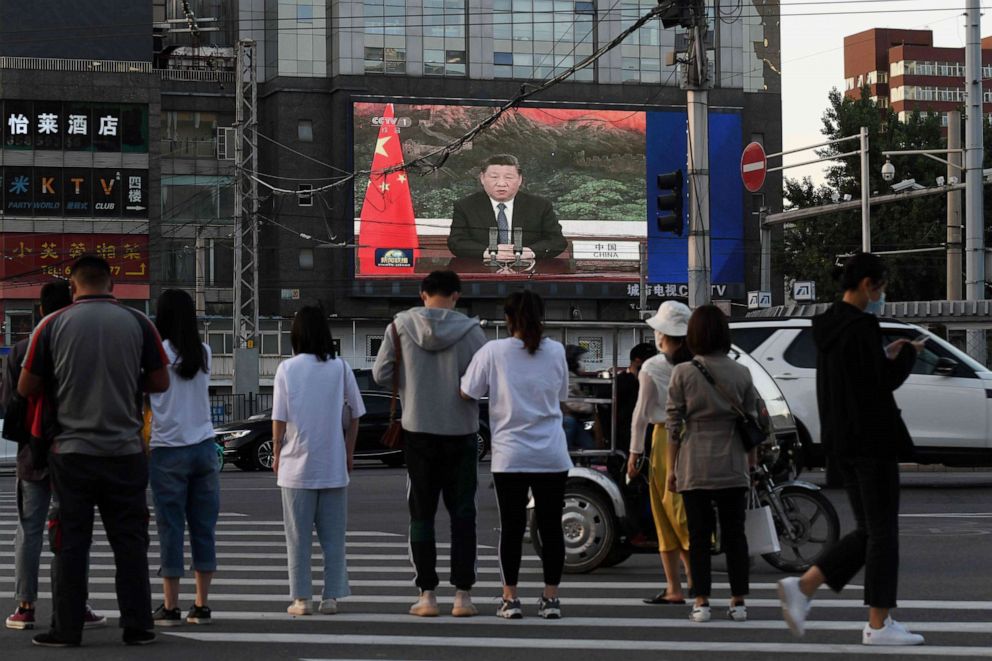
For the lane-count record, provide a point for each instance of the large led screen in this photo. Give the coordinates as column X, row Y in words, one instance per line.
column 579, row 211
column 585, row 200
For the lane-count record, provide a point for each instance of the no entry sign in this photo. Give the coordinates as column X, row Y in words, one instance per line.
column 754, row 166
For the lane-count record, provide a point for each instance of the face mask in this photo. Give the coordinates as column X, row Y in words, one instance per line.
column 875, row 307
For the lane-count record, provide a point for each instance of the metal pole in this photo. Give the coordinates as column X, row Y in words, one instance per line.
column 766, row 250
column 865, row 193
column 953, row 208
column 974, row 155
column 642, row 305
column 201, row 272
column 699, row 199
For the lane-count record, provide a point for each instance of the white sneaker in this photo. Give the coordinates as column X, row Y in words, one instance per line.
column 795, row 605
column 700, row 614
column 892, row 633
column 737, row 613
column 300, row 607
column 328, row 607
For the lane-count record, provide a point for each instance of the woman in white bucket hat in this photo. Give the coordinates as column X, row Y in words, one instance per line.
column 670, row 325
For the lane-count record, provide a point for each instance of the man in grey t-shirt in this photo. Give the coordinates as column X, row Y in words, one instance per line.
column 90, row 362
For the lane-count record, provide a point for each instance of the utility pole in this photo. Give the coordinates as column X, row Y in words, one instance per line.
column 765, row 232
column 642, row 306
column 865, row 192
column 974, row 155
column 245, row 322
column 953, row 207
column 697, row 84
column 201, row 272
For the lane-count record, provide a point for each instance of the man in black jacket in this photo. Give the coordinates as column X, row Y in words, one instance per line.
column 501, row 205
column 864, row 435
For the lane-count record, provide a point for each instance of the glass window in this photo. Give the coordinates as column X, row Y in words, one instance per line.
column 270, row 344
column 306, row 259
column 286, row 345
column 502, row 58
column 220, row 343
column 802, row 352
column 304, row 13
column 304, row 130
column 749, row 339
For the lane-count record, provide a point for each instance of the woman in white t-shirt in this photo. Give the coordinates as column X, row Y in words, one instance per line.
column 526, row 377
column 184, row 472
column 313, row 442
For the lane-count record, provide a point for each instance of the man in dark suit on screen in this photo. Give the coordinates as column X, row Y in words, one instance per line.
column 501, row 205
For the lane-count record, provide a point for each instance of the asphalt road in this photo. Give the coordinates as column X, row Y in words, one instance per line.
column 945, row 588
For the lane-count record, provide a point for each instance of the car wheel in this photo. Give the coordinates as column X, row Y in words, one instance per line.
column 589, row 526
column 482, row 445
column 262, row 457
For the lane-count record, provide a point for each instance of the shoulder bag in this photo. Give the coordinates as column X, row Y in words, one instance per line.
column 393, row 437
column 346, row 415
column 751, row 432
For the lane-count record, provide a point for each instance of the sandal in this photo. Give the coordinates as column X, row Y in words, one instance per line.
column 660, row 598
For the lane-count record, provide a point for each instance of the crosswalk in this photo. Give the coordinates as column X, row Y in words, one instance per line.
column 603, row 613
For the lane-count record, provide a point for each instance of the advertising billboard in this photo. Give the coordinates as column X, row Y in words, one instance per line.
column 583, row 207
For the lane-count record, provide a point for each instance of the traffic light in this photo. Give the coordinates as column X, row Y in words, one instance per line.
column 670, row 202
column 679, row 13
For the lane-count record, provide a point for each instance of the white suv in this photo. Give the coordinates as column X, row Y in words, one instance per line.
column 946, row 402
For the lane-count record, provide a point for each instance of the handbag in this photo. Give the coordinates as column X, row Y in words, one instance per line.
column 15, row 420
column 346, row 416
column 751, row 432
column 759, row 527
column 393, row 437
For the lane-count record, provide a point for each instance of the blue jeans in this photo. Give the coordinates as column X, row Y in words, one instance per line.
column 185, row 485
column 28, row 540
column 327, row 510
column 576, row 434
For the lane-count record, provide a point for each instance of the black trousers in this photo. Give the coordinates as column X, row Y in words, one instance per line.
column 549, row 500
column 730, row 506
column 442, row 467
column 115, row 485
column 873, row 488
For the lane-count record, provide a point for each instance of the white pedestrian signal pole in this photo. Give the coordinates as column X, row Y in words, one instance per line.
column 974, row 155
column 697, row 83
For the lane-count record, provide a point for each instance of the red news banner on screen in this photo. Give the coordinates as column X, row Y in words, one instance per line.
column 387, row 241
column 39, row 257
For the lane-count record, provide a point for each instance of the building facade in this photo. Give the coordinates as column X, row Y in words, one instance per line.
column 905, row 73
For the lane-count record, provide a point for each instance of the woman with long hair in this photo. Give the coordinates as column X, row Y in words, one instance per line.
column 315, row 410
column 710, row 465
column 527, row 379
column 184, row 472
column 670, row 326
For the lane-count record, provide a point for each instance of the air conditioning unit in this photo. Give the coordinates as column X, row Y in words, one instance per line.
column 225, row 143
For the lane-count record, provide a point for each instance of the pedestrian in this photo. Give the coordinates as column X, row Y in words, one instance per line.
column 579, row 417
column 439, row 429
column 627, row 390
column 33, row 486
column 315, row 410
column 864, row 437
column 93, row 359
column 526, row 376
column 670, row 325
column 710, row 463
column 183, row 467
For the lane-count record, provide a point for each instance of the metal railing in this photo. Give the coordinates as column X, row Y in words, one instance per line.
column 197, row 75
column 65, row 64
column 234, row 407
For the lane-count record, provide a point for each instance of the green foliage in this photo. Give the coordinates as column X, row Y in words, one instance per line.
column 812, row 247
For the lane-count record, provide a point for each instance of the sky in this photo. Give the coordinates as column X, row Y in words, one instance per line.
column 813, row 55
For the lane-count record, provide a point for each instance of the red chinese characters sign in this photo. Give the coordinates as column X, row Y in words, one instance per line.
column 41, row 256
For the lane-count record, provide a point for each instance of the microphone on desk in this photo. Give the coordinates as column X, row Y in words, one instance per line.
column 493, row 244
column 518, row 244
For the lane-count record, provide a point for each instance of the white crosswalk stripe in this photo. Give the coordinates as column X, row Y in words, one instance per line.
column 603, row 610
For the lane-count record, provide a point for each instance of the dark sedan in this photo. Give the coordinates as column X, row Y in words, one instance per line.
column 248, row 443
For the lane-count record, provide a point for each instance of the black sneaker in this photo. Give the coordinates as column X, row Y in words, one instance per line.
column 49, row 639
column 198, row 615
column 549, row 609
column 510, row 610
column 138, row 636
column 167, row 617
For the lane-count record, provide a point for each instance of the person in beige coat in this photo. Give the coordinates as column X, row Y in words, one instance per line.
column 711, row 466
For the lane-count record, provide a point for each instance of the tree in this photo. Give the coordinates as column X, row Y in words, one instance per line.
column 812, row 247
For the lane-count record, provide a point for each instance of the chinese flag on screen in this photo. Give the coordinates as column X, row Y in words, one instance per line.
column 387, row 240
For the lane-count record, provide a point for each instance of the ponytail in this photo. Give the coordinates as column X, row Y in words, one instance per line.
column 524, row 312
